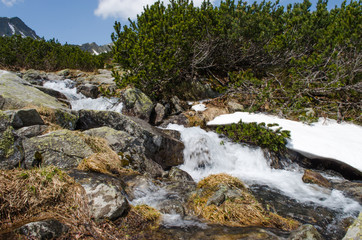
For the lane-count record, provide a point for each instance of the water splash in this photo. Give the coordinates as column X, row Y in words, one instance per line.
column 206, row 153
column 79, row 101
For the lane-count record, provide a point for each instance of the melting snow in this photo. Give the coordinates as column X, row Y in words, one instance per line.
column 326, row 138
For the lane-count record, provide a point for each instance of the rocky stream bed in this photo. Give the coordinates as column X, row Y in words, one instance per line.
column 118, row 153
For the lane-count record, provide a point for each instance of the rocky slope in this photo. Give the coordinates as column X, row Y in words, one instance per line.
column 12, row 26
column 85, row 174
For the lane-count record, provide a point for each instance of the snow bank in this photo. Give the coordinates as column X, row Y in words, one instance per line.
column 325, row 138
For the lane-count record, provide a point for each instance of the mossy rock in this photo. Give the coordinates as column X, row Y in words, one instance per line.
column 63, row 148
column 137, row 104
column 223, row 199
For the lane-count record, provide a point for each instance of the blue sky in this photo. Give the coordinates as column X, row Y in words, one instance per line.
column 82, row 21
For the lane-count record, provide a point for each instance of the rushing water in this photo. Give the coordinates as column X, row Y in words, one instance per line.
column 206, row 153
column 79, row 101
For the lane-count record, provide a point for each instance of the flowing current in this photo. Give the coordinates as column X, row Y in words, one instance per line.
column 79, row 101
column 206, row 153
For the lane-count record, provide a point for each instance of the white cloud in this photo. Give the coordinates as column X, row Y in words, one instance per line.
column 10, row 3
column 124, row 9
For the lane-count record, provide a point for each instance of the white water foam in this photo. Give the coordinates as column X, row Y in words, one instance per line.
column 149, row 194
column 206, row 153
column 325, row 138
column 79, row 101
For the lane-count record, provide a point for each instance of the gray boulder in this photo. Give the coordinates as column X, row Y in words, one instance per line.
column 106, row 195
column 48, row 229
column 16, row 93
column 137, row 104
column 62, row 148
column 160, row 147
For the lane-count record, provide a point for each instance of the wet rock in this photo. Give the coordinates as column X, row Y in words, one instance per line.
column 48, row 229
column 172, row 206
column 221, row 232
column 324, row 164
column 106, row 196
column 11, row 149
column 24, row 117
column 137, row 104
column 52, row 92
column 355, row 230
column 62, row 148
column 315, row 178
column 88, row 90
column 160, row 147
column 177, row 174
column 16, row 94
column 32, row 74
column 351, row 189
column 158, row 114
column 305, row 232
column 321, row 218
column 31, row 131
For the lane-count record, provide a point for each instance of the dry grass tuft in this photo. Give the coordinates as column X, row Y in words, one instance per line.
column 104, row 160
column 242, row 211
column 48, row 193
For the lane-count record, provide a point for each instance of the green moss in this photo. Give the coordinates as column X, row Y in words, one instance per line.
column 7, row 142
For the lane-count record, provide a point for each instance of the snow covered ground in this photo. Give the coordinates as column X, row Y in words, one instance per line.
column 325, row 138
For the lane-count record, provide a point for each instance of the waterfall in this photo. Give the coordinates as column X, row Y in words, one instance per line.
column 207, row 153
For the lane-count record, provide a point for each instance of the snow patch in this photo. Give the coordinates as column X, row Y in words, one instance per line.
column 326, row 138
column 95, row 52
column 199, row 107
column 12, row 28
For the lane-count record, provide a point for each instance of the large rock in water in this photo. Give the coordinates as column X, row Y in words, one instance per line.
column 15, row 93
column 160, row 147
column 62, row 148
column 137, row 104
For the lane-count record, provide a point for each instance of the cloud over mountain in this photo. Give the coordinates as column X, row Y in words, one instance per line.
column 10, row 3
